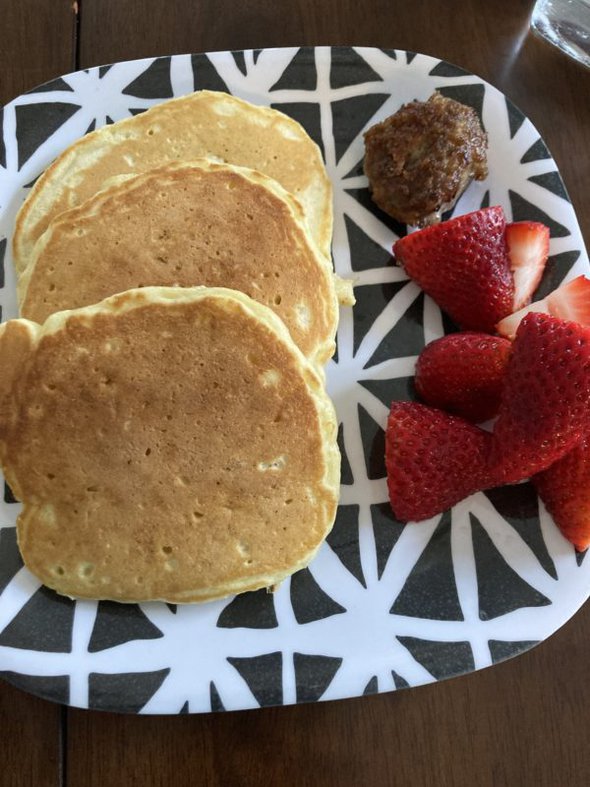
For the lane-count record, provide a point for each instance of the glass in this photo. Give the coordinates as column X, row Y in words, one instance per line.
column 566, row 24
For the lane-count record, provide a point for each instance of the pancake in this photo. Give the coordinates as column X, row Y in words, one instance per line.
column 185, row 224
column 205, row 123
column 167, row 444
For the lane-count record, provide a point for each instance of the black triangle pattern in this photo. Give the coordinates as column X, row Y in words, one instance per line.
column 386, row 530
column 126, row 692
column 216, row 703
column 558, row 267
column 3, row 243
column 92, row 126
column 580, row 557
column 313, row 675
column 349, row 116
column 35, row 123
column 10, row 560
column 519, row 505
column 256, row 54
column 300, row 74
column 400, row 683
column 184, row 710
column 309, row 601
column 346, row 476
column 349, row 68
column 263, row 675
column 53, row 84
column 472, row 95
column 409, row 56
column 2, row 147
column 371, row 299
column 43, row 624
column 119, row 623
column 308, row 114
column 398, row 389
column 485, row 203
column 536, row 152
column 154, row 82
column 102, row 70
column 444, row 69
column 523, row 210
column 249, row 610
column 8, row 496
column 372, row 687
column 552, row 182
column 205, row 75
column 240, row 61
column 172, row 608
column 363, row 197
column 441, row 659
column 344, row 540
column 405, row 338
column 373, row 437
column 430, row 590
column 365, row 253
column 55, row 688
column 392, row 53
column 500, row 588
column 501, row 650
column 515, row 117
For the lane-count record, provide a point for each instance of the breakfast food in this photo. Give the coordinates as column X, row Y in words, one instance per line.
column 205, row 123
column 421, row 159
column 571, row 302
column 564, row 488
column 167, row 443
column 433, row 460
column 185, row 224
column 469, row 268
column 463, row 373
column 541, row 432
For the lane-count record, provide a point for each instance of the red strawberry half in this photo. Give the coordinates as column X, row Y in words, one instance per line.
column 463, row 373
column 571, row 301
column 528, row 248
column 565, row 489
column 433, row 460
column 463, row 265
column 545, row 406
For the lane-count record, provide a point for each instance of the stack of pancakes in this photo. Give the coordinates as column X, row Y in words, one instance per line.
column 163, row 414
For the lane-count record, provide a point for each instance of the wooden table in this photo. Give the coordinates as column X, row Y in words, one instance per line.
column 524, row 722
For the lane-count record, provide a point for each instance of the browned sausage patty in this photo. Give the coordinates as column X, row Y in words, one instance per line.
column 420, row 160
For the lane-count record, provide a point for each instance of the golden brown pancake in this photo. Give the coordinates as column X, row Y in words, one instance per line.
column 205, row 123
column 167, row 444
column 186, row 224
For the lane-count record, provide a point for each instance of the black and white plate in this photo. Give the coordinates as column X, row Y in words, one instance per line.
column 382, row 606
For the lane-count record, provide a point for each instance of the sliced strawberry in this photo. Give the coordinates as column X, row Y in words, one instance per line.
column 565, row 489
column 571, row 301
column 463, row 374
column 433, row 460
column 545, row 405
column 528, row 249
column 463, row 265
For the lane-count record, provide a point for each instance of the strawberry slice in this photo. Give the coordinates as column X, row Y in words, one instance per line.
column 565, row 489
column 463, row 265
column 433, row 460
column 571, row 301
column 545, row 406
column 463, row 373
column 528, row 249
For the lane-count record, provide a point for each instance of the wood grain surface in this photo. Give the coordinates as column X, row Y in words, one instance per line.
column 523, row 722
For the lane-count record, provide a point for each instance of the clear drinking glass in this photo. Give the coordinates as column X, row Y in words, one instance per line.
column 566, row 24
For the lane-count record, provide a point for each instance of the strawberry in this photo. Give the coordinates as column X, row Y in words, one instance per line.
column 545, row 405
column 571, row 301
column 463, row 265
column 463, row 374
column 528, row 248
column 433, row 460
column 565, row 489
